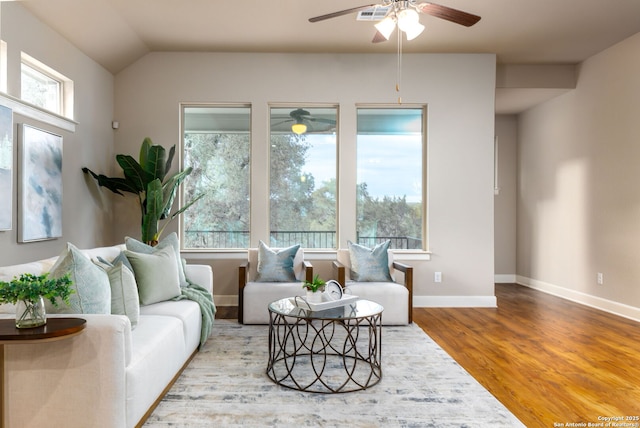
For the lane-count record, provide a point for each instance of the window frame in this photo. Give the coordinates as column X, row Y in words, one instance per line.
column 65, row 90
column 309, row 106
column 424, row 159
column 182, row 229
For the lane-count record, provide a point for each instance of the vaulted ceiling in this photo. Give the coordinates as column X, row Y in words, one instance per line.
column 116, row 33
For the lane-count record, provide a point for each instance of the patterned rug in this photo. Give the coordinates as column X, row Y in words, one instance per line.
column 422, row 386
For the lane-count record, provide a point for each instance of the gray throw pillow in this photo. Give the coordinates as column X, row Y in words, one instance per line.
column 124, row 290
column 171, row 241
column 156, row 275
column 92, row 291
column 370, row 264
column 276, row 265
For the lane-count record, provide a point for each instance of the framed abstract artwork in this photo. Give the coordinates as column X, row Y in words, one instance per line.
column 6, row 168
column 40, row 187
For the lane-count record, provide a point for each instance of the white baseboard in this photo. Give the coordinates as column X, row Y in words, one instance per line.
column 504, row 279
column 620, row 309
column 454, row 302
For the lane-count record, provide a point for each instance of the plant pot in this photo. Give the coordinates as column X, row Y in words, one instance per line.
column 30, row 314
column 314, row 296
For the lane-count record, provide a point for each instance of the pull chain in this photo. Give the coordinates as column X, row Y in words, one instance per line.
column 399, row 67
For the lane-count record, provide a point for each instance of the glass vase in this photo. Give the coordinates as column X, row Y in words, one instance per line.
column 30, row 313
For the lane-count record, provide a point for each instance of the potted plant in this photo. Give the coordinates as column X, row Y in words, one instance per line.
column 314, row 289
column 28, row 292
column 148, row 180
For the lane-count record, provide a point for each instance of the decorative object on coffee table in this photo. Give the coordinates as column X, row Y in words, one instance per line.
column 28, row 292
column 314, row 289
column 333, row 290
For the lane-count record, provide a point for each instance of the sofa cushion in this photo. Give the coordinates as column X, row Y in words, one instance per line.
column 124, row 290
column 369, row 264
column 92, row 291
column 158, row 353
column 276, row 265
column 186, row 311
column 170, row 241
column 393, row 297
column 156, row 275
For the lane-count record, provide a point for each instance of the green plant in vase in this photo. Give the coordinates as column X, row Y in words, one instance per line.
column 314, row 289
column 149, row 181
column 28, row 292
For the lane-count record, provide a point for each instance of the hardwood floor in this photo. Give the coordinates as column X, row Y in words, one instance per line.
column 548, row 360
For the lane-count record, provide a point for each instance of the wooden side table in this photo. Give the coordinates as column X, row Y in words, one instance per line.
column 54, row 329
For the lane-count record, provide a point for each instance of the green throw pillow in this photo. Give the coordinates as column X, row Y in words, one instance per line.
column 276, row 265
column 92, row 291
column 156, row 275
column 370, row 264
column 124, row 290
column 171, row 240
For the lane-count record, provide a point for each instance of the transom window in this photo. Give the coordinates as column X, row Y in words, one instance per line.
column 44, row 87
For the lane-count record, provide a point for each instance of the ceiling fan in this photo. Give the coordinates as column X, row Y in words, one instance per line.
column 405, row 13
column 303, row 121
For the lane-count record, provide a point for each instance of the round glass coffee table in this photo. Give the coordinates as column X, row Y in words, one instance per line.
column 327, row 351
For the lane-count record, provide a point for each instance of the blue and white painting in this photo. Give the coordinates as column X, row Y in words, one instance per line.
column 41, row 185
column 6, row 168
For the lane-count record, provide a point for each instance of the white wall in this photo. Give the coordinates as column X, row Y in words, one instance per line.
column 85, row 223
column 579, row 186
column 458, row 89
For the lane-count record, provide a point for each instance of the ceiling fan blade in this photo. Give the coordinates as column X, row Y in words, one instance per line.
column 378, row 38
column 340, row 13
column 281, row 122
column 450, row 14
column 321, row 120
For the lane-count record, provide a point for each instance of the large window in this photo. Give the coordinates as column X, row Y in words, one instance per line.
column 303, row 176
column 216, row 143
column 390, row 158
column 44, row 87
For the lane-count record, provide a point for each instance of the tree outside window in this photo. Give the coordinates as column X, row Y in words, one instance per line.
column 303, row 177
column 390, row 180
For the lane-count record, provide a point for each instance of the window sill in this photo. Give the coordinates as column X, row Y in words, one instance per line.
column 37, row 113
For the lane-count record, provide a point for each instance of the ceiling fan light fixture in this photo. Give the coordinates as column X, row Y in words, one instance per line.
column 299, row 128
column 386, row 26
column 407, row 18
column 414, row 31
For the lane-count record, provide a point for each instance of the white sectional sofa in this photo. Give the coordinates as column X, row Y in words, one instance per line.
column 110, row 375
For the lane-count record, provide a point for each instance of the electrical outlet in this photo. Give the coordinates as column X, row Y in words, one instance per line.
column 437, row 277
column 600, row 278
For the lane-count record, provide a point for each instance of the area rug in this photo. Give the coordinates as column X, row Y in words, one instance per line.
column 422, row 386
